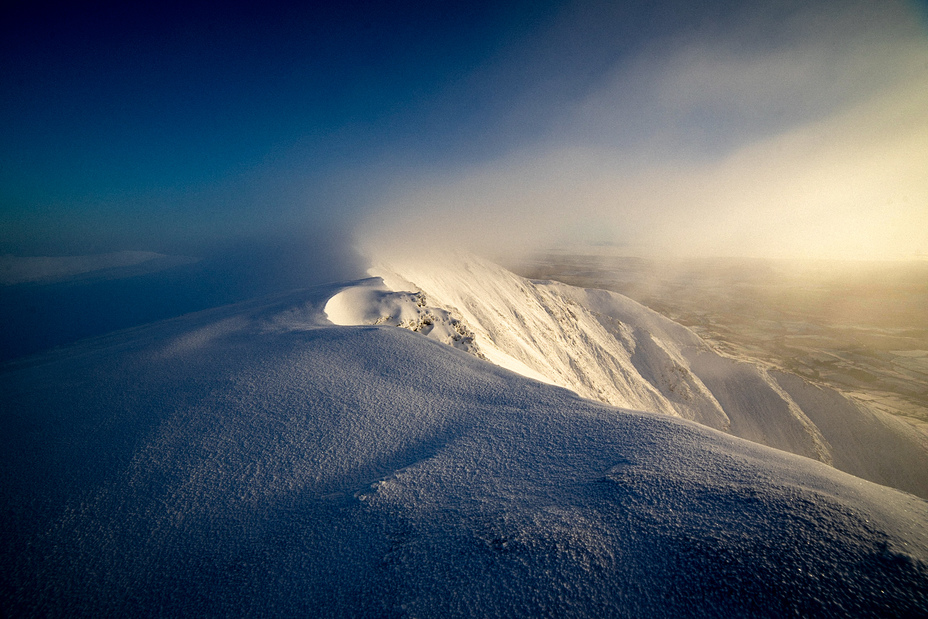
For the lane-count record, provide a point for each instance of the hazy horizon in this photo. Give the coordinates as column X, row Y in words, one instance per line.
column 291, row 326
column 779, row 129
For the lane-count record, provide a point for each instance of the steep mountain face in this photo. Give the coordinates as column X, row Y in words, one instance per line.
column 256, row 460
column 606, row 347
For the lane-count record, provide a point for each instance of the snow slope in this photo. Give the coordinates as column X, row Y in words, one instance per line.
column 606, row 347
column 256, row 460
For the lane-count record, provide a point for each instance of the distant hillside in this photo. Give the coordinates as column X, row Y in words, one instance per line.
column 610, row 348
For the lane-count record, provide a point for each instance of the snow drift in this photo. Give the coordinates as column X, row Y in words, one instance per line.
column 256, row 460
column 607, row 347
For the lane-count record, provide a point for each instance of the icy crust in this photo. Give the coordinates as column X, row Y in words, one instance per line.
column 535, row 325
column 607, row 347
column 259, row 461
column 371, row 303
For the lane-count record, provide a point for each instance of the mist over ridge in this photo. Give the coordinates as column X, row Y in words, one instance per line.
column 258, row 459
column 573, row 308
column 785, row 133
column 781, row 129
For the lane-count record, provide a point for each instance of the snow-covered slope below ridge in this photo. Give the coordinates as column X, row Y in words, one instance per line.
column 257, row 461
column 606, row 347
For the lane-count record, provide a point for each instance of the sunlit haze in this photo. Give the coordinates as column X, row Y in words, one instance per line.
column 783, row 129
column 803, row 138
column 523, row 308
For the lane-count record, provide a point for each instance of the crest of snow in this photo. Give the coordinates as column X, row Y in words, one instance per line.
column 257, row 460
column 607, row 347
column 371, row 303
column 565, row 334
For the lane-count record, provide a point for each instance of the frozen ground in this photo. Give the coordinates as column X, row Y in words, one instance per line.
column 256, row 460
column 860, row 327
column 609, row 348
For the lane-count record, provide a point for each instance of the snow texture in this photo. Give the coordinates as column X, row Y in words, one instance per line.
column 371, row 303
column 257, row 460
column 607, row 347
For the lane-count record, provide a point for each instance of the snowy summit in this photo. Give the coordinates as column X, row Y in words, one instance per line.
column 301, row 455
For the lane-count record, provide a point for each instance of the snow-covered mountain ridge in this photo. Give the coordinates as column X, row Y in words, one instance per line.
column 606, row 347
column 256, row 460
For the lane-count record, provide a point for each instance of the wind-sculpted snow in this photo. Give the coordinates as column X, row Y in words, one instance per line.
column 258, row 461
column 371, row 304
column 606, row 347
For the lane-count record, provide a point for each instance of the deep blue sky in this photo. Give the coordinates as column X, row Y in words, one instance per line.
column 169, row 127
column 156, row 125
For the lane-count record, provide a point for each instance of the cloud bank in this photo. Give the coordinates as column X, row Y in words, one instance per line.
column 775, row 131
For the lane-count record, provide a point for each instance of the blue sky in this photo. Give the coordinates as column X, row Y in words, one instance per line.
column 170, row 127
column 216, row 119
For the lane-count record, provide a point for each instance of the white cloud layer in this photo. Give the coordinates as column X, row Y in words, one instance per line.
column 802, row 134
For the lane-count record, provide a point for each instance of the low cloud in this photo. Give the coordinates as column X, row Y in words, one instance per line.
column 787, row 133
